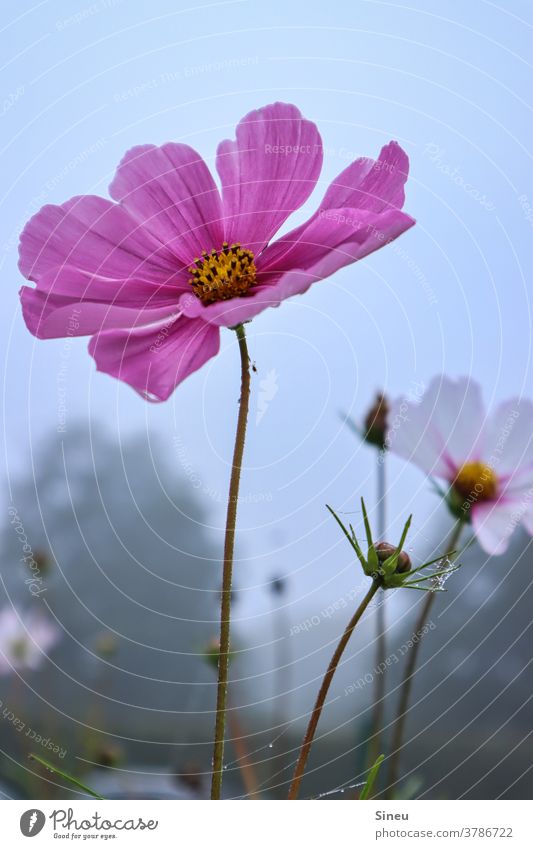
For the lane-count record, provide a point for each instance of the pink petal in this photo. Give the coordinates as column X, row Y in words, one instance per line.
column 42, row 631
column 267, row 172
column 95, row 235
column 155, row 359
column 508, row 438
column 441, row 432
column 458, row 412
column 514, row 484
column 369, row 184
column 517, row 488
column 238, row 310
column 494, row 522
column 170, row 191
column 527, row 518
column 332, row 239
column 50, row 316
column 289, row 267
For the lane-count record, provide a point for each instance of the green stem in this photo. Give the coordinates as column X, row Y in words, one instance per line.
column 324, row 687
column 379, row 684
column 229, row 545
column 381, row 638
column 407, row 683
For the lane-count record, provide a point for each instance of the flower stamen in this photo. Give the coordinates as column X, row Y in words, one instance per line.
column 221, row 275
column 476, row 481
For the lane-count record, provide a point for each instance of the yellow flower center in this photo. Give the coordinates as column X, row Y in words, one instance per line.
column 224, row 274
column 476, row 481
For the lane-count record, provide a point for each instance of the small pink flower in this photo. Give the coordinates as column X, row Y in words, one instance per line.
column 25, row 639
column 486, row 460
column 155, row 275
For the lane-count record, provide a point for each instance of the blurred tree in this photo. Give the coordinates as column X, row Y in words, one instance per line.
column 128, row 554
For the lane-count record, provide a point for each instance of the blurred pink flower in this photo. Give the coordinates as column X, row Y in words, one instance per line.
column 487, row 460
column 153, row 277
column 25, row 639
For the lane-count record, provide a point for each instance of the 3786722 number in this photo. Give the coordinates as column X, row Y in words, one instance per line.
column 496, row 831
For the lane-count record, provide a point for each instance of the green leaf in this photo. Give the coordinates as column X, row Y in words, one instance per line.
column 351, row 539
column 447, row 556
column 358, row 550
column 430, row 563
column 448, row 571
column 372, row 775
column 47, row 765
column 372, row 557
column 389, row 565
column 345, row 532
column 404, row 533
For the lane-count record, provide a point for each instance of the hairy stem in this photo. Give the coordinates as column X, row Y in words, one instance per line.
column 229, row 545
column 324, row 687
column 407, row 683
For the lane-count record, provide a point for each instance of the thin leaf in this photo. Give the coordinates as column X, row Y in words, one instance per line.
column 437, row 574
column 372, row 557
column 372, row 775
column 65, row 775
column 353, row 542
column 442, row 557
column 358, row 549
column 367, row 524
column 404, row 533
column 389, row 565
column 352, row 425
column 431, row 562
column 438, row 489
column 341, row 525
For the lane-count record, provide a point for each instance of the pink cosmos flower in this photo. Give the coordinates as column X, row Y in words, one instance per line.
column 486, row 460
column 25, row 639
column 153, row 276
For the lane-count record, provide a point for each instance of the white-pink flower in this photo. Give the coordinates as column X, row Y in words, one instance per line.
column 486, row 459
column 25, row 639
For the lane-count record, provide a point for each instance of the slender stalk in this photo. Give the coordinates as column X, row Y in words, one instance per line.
column 324, row 687
column 381, row 474
column 229, row 545
column 407, row 683
column 381, row 639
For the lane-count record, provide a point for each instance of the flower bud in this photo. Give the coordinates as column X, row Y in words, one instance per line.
column 376, row 424
column 385, row 550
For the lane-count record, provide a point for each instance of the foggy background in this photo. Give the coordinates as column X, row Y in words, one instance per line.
column 126, row 499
